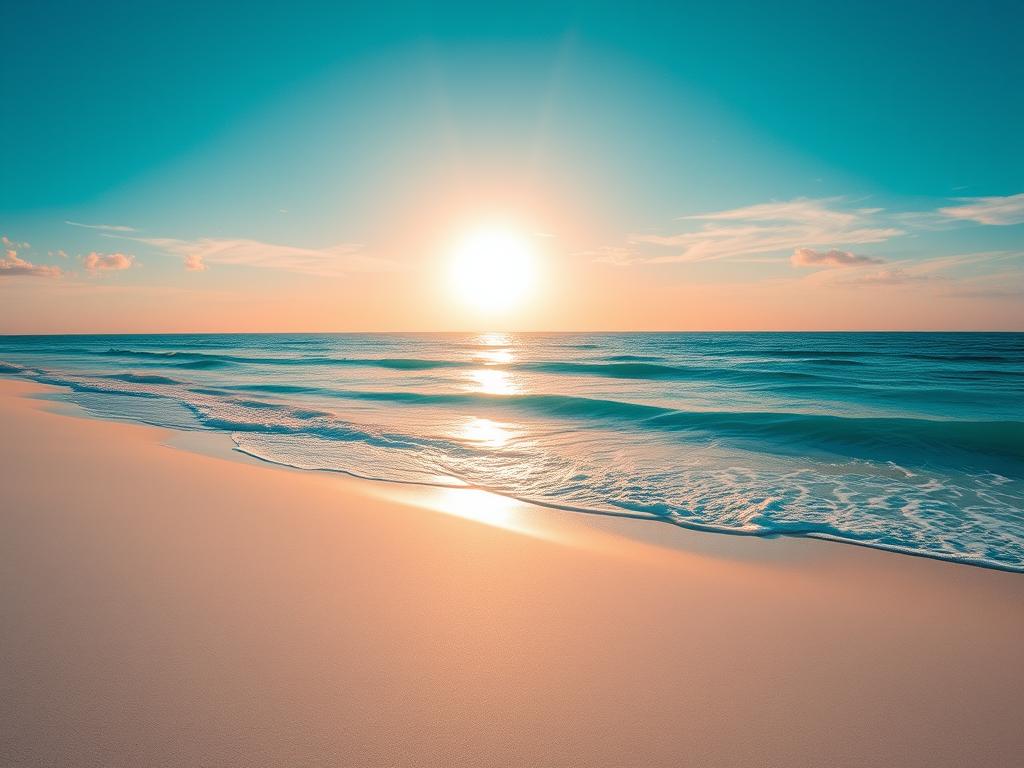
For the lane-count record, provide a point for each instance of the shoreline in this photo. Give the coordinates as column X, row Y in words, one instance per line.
column 170, row 605
column 231, row 450
column 218, row 445
column 623, row 513
column 649, row 518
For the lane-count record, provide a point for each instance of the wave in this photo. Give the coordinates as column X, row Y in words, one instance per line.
column 136, row 378
column 847, row 353
column 981, row 374
column 50, row 350
column 835, row 391
column 407, row 363
column 831, row 361
column 914, row 439
column 632, row 358
column 176, row 355
column 651, row 371
column 958, row 358
column 619, row 370
column 618, row 366
column 800, row 353
column 924, row 438
column 938, row 439
column 282, row 389
column 208, row 360
column 633, row 370
column 547, row 405
column 202, row 365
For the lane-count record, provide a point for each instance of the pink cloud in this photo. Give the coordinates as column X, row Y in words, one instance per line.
column 194, row 262
column 12, row 264
column 101, row 262
column 12, row 244
column 808, row 257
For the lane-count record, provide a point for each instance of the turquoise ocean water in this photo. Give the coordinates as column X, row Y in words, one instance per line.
column 910, row 442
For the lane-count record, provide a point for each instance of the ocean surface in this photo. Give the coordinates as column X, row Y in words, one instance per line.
column 902, row 441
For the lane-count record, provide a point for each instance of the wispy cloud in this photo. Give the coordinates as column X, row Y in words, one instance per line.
column 198, row 255
column 107, row 262
column 960, row 261
column 988, row 210
column 771, row 227
column 617, row 256
column 105, row 227
column 808, row 257
column 799, row 210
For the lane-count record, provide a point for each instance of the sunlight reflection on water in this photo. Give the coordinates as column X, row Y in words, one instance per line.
column 485, row 433
column 492, row 381
column 495, row 356
column 494, row 339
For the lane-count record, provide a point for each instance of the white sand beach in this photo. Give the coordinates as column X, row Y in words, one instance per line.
column 166, row 603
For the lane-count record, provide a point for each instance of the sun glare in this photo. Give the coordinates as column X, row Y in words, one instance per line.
column 493, row 270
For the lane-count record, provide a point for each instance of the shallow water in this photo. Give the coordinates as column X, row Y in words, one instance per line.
column 911, row 442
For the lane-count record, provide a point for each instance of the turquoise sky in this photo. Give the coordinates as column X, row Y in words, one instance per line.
column 755, row 149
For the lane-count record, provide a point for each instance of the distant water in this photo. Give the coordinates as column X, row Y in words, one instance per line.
column 908, row 442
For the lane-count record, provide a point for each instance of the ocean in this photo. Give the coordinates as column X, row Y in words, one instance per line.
column 910, row 442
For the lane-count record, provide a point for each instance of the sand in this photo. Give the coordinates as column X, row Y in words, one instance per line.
column 168, row 603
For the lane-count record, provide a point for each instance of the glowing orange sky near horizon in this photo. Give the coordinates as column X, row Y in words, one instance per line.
column 572, row 290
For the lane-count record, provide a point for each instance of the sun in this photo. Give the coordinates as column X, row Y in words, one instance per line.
column 493, row 270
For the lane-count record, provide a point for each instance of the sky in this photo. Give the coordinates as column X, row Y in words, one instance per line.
column 305, row 166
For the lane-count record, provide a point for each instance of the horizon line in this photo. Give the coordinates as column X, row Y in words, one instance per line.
column 529, row 332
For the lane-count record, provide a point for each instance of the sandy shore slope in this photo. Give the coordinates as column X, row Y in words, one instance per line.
column 167, row 607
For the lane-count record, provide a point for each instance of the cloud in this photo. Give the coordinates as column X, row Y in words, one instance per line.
column 808, row 257
column 13, row 245
column 771, row 227
column 194, row 262
column 106, row 227
column 617, row 256
column 799, row 210
column 988, row 210
column 958, row 273
column 334, row 261
column 107, row 262
column 13, row 265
